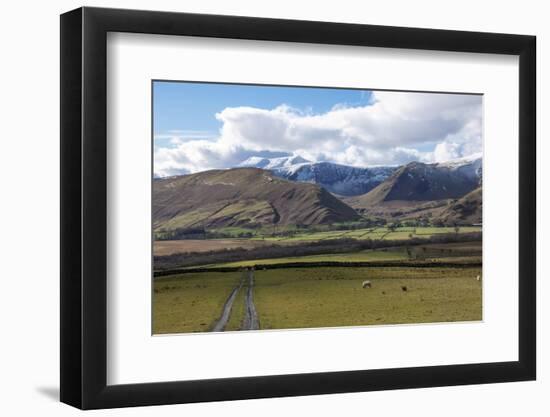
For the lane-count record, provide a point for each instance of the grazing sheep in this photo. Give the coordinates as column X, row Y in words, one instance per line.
column 478, row 278
column 367, row 284
column 404, row 288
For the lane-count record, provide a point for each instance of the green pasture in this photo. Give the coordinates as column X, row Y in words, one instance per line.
column 190, row 302
column 364, row 256
column 399, row 233
column 334, row 297
column 320, row 297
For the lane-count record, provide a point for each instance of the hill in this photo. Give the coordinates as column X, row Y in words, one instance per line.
column 418, row 182
column 242, row 197
column 466, row 210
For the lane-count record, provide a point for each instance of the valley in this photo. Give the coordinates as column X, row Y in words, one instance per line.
column 444, row 286
column 285, row 243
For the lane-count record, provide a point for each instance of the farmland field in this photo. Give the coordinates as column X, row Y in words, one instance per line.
column 333, row 297
column 257, row 239
column 363, row 256
column 369, row 233
column 462, row 252
column 321, row 296
column 190, row 303
column 169, row 247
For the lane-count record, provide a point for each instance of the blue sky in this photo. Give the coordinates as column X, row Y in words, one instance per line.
column 191, row 107
column 200, row 126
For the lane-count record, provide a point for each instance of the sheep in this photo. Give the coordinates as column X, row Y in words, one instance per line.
column 478, row 278
column 403, row 288
column 367, row 284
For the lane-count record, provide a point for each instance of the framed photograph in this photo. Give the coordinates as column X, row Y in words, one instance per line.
column 257, row 208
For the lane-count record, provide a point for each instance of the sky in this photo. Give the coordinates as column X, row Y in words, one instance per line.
column 202, row 126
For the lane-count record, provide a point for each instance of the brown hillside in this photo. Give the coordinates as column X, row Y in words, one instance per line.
column 419, row 182
column 466, row 210
column 242, row 197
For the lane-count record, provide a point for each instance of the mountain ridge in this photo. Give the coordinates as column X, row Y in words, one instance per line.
column 339, row 179
column 418, row 181
column 294, row 191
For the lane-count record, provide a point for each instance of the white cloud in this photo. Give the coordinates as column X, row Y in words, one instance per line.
column 391, row 130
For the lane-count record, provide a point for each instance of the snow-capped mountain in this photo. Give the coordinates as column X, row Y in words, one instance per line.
column 353, row 181
column 282, row 163
column 339, row 179
column 469, row 166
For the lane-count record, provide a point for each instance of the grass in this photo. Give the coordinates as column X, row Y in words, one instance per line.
column 433, row 230
column 190, row 218
column 333, row 297
column 400, row 233
column 190, row 302
column 247, row 211
column 365, row 256
column 291, row 234
column 238, row 311
column 320, row 297
column 330, row 296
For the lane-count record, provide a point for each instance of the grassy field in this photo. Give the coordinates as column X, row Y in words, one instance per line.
column 365, row 256
column 323, row 296
column 327, row 296
column 333, row 297
column 190, row 302
column 369, row 233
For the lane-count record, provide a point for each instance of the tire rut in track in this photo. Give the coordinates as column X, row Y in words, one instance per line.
column 251, row 321
column 219, row 326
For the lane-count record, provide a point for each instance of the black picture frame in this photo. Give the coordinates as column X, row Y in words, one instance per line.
column 84, row 207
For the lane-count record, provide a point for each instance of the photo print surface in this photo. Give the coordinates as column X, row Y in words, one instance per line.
column 282, row 207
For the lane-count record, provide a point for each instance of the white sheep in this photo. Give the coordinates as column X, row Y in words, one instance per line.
column 367, row 284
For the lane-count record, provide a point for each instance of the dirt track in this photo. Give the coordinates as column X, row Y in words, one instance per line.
column 219, row 326
column 250, row 321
